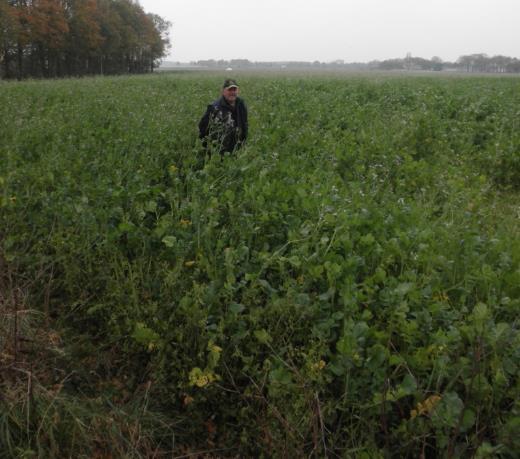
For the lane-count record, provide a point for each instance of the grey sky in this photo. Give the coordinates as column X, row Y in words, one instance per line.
column 326, row 30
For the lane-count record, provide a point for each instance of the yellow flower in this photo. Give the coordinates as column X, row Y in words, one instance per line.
column 201, row 378
column 202, row 381
column 318, row 366
column 197, row 377
column 185, row 222
column 189, row 264
column 442, row 296
column 216, row 349
column 425, row 407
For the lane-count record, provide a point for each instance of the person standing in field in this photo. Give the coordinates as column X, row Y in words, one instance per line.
column 224, row 126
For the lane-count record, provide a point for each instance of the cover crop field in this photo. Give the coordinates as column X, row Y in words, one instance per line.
column 347, row 285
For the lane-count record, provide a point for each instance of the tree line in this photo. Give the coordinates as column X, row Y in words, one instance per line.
column 480, row 63
column 58, row 38
column 487, row 64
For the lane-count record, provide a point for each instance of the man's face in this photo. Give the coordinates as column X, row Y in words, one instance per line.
column 230, row 94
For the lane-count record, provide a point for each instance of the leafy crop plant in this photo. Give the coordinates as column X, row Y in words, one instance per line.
column 346, row 285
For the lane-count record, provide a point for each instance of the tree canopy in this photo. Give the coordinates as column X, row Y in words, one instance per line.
column 55, row 38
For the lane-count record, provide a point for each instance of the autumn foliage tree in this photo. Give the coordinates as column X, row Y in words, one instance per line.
column 55, row 38
column 48, row 29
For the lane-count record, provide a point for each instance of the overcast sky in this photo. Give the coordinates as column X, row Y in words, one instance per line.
column 326, row 30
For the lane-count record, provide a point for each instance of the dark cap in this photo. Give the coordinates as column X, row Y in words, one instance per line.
column 229, row 83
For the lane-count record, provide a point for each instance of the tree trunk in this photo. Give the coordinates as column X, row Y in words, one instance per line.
column 19, row 57
column 43, row 64
column 7, row 62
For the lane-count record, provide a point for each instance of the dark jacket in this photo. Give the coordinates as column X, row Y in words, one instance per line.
column 223, row 126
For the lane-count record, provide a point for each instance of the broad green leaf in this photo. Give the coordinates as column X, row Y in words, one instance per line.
column 263, row 336
column 169, row 241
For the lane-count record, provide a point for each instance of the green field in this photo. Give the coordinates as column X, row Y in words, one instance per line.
column 347, row 285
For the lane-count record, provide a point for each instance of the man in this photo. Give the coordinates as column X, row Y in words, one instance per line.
column 223, row 127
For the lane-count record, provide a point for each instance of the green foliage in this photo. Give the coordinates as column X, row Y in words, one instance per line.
column 349, row 282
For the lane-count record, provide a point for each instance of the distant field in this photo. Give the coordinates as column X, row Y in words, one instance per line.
column 348, row 284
